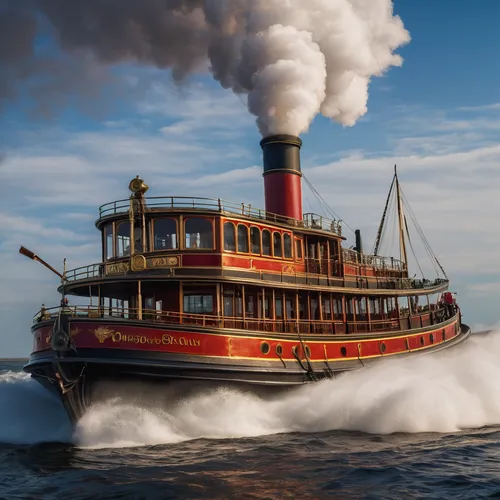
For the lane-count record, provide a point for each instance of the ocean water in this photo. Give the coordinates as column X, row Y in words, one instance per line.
column 427, row 427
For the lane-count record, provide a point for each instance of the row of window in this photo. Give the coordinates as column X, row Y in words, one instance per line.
column 198, row 234
column 242, row 239
column 300, row 305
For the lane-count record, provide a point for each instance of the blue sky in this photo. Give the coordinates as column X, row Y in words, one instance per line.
column 437, row 117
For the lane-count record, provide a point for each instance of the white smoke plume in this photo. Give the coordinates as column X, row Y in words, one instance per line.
column 293, row 58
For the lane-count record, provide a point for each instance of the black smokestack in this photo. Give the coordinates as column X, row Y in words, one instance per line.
column 282, row 175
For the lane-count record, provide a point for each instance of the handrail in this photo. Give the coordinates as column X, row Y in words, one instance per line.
column 85, row 272
column 314, row 267
column 259, row 324
column 310, row 221
column 389, row 263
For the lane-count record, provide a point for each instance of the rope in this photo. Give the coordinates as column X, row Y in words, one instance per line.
column 324, row 204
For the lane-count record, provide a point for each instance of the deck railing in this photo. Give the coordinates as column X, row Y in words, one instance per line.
column 389, row 263
column 310, row 221
column 291, row 326
column 314, row 267
column 85, row 272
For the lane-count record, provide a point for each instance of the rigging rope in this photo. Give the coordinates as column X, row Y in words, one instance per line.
column 324, row 204
column 382, row 221
column 426, row 243
column 412, row 249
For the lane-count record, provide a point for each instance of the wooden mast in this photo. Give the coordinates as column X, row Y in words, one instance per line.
column 402, row 242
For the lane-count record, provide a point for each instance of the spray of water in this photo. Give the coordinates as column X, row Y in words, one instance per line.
column 30, row 414
column 293, row 58
column 447, row 392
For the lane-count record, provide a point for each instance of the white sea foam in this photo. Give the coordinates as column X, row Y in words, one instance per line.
column 446, row 392
column 29, row 413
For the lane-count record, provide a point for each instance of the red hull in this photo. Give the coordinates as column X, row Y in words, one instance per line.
column 113, row 335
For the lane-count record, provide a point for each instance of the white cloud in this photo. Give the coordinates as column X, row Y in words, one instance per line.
column 485, row 107
column 202, row 145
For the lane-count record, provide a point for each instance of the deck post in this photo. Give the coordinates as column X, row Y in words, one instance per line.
column 139, row 299
column 369, row 314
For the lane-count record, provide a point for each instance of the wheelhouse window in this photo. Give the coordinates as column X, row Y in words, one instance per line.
column 242, row 238
column 199, row 233
column 199, row 303
column 255, row 239
column 266, row 242
column 287, row 246
column 229, row 237
column 298, row 249
column 138, row 244
column 123, row 239
column 108, row 241
column 165, row 234
column 278, row 250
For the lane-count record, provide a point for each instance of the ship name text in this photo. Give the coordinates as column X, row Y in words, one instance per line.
column 165, row 339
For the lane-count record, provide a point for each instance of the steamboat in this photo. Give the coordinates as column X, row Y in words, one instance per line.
column 202, row 289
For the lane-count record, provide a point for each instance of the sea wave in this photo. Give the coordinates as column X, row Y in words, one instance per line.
column 445, row 392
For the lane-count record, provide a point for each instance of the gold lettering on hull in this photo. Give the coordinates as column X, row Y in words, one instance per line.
column 103, row 333
column 163, row 340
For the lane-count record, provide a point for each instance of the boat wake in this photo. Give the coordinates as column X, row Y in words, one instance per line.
column 445, row 392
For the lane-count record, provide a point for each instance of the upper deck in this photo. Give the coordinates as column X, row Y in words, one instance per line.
column 210, row 238
column 185, row 204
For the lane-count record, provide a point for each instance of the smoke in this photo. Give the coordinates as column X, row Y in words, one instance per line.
column 293, row 58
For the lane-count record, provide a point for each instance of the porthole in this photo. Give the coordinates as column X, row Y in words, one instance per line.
column 279, row 350
column 294, row 350
column 431, row 338
column 443, row 334
column 383, row 347
column 307, row 351
column 422, row 341
column 264, row 348
column 343, row 351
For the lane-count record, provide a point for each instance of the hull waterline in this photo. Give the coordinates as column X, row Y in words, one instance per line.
column 78, row 375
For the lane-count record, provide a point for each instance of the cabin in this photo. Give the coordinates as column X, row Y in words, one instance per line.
column 219, row 264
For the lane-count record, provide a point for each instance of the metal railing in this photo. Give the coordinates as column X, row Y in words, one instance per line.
column 314, row 268
column 310, row 221
column 85, row 272
column 388, row 263
column 290, row 326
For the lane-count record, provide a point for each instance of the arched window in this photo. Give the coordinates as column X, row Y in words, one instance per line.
column 165, row 234
column 287, row 246
column 108, row 241
column 278, row 251
column 255, row 239
column 123, row 239
column 229, row 237
column 199, row 233
column 242, row 238
column 266, row 242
